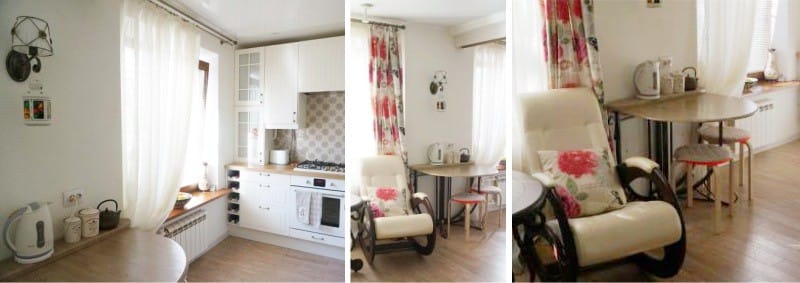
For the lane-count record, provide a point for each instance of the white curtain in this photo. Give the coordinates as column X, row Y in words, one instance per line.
column 159, row 73
column 530, row 69
column 359, row 119
column 724, row 33
column 489, row 103
column 529, row 75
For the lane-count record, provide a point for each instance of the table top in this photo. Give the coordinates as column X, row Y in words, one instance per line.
column 456, row 170
column 130, row 255
column 355, row 201
column 199, row 199
column 694, row 107
column 525, row 191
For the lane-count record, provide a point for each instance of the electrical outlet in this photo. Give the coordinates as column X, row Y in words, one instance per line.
column 74, row 197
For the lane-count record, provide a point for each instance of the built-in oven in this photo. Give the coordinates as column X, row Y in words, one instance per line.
column 329, row 203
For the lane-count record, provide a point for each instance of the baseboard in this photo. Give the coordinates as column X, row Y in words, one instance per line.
column 776, row 144
column 288, row 242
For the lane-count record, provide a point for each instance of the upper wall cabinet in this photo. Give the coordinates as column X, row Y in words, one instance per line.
column 249, row 77
column 283, row 104
column 321, row 65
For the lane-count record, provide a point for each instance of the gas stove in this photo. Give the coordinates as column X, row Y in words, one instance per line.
column 320, row 167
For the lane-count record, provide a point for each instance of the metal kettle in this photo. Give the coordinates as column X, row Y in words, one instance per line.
column 34, row 235
column 109, row 219
column 436, row 154
column 646, row 78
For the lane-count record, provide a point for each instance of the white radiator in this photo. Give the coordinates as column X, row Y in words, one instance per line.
column 762, row 125
column 189, row 232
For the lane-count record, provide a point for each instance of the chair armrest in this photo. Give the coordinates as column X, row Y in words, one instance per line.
column 640, row 162
column 420, row 195
column 660, row 190
column 544, row 179
column 421, row 200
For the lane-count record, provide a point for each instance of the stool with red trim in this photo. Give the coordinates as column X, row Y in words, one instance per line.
column 731, row 136
column 468, row 200
column 498, row 197
column 709, row 155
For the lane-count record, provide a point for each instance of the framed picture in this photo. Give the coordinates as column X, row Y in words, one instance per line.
column 36, row 110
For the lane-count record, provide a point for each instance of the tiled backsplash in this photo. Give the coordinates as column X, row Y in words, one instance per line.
column 323, row 138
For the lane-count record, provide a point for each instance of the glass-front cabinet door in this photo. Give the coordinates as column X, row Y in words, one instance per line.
column 248, row 119
column 250, row 76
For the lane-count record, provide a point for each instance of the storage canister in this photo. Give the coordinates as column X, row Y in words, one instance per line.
column 90, row 222
column 72, row 229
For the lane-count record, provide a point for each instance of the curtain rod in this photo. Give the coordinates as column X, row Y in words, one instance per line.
column 175, row 11
column 370, row 22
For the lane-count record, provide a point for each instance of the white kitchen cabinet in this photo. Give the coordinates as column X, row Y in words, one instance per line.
column 249, row 75
column 248, row 119
column 321, row 65
column 262, row 204
column 284, row 106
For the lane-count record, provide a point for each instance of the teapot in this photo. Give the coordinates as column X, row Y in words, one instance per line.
column 464, row 155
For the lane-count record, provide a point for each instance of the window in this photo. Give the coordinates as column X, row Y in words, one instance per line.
column 193, row 168
column 766, row 11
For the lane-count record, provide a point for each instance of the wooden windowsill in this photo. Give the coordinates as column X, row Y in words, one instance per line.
column 770, row 86
column 199, row 199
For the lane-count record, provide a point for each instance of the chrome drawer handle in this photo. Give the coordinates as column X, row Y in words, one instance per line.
column 318, row 238
column 263, row 207
column 263, row 186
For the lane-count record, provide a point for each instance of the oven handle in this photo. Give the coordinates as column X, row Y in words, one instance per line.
column 326, row 193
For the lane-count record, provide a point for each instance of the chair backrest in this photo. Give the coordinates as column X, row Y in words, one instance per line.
column 383, row 171
column 560, row 119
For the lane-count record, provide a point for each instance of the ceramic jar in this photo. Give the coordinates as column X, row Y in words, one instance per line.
column 90, row 222
column 679, row 82
column 666, row 84
column 72, row 229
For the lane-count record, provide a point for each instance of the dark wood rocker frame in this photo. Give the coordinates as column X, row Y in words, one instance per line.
column 367, row 235
column 567, row 268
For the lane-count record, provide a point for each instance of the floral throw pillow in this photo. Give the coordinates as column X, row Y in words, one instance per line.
column 585, row 180
column 387, row 201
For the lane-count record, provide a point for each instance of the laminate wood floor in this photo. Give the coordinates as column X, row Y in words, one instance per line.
column 482, row 258
column 237, row 259
column 761, row 242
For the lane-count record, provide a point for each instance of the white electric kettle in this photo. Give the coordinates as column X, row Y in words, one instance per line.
column 646, row 79
column 436, row 154
column 34, row 236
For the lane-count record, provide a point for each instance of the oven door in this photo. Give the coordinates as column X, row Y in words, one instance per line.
column 332, row 213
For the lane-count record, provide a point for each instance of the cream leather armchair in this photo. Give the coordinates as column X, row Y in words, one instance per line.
column 649, row 228
column 413, row 231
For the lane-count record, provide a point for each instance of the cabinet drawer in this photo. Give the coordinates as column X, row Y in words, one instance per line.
column 265, row 218
column 264, row 177
column 264, row 193
column 319, row 238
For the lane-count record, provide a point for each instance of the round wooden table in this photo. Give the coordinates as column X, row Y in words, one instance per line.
column 444, row 175
column 692, row 107
column 130, row 255
column 528, row 198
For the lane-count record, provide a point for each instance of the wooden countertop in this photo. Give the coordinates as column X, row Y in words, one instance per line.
column 765, row 87
column 130, row 255
column 283, row 169
column 695, row 107
column 199, row 199
column 456, row 170
column 10, row 270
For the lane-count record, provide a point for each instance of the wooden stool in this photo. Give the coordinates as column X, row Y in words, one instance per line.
column 710, row 156
column 498, row 197
column 732, row 136
column 468, row 200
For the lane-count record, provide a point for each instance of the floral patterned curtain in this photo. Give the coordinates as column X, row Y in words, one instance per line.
column 571, row 45
column 571, row 49
column 386, row 80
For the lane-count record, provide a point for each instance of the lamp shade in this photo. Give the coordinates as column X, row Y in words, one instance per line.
column 31, row 36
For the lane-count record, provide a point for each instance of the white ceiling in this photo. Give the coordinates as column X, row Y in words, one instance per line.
column 264, row 21
column 439, row 12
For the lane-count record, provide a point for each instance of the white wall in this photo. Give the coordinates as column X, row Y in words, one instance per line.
column 630, row 33
column 82, row 147
column 222, row 91
column 429, row 48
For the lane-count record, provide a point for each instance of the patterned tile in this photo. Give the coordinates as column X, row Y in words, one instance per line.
column 323, row 137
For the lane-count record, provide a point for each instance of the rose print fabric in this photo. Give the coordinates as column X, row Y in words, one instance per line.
column 386, row 80
column 585, row 181
column 388, row 201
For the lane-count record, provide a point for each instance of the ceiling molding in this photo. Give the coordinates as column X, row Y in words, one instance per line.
column 499, row 17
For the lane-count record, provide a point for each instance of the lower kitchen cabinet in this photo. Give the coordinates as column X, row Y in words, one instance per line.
column 262, row 206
